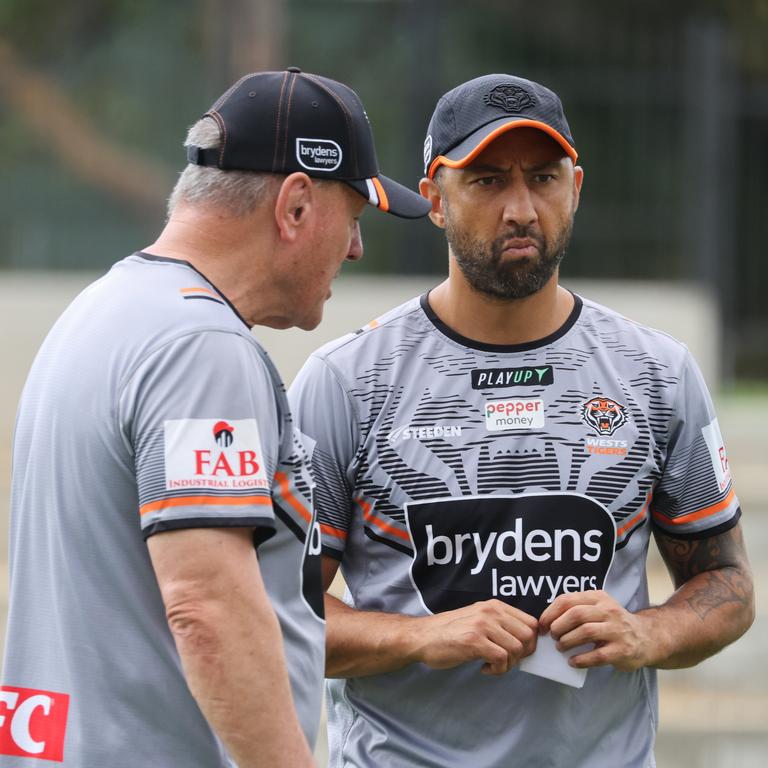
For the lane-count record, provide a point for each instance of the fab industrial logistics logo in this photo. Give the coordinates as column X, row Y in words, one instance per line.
column 214, row 453
column 524, row 549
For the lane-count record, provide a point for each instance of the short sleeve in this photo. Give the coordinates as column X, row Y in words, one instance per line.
column 324, row 414
column 695, row 497
column 200, row 417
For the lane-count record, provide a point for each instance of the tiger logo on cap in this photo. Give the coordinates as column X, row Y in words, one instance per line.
column 510, row 98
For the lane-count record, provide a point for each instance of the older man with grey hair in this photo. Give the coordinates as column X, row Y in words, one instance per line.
column 166, row 601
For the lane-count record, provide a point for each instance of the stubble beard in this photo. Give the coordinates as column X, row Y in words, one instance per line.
column 487, row 271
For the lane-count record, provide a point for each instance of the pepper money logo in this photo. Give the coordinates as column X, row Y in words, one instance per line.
column 524, row 549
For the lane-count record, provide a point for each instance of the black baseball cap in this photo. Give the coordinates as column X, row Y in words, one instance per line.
column 468, row 118
column 281, row 122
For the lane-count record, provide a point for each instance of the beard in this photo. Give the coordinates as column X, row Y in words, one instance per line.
column 488, row 272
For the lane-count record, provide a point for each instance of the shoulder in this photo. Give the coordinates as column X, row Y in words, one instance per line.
column 625, row 336
column 146, row 301
column 146, row 309
column 362, row 346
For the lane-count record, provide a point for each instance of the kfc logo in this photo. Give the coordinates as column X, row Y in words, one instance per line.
column 33, row 723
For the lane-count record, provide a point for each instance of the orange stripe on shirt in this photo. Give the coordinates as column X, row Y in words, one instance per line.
column 368, row 515
column 285, row 489
column 693, row 516
column 636, row 519
column 215, row 501
column 331, row 531
column 199, row 290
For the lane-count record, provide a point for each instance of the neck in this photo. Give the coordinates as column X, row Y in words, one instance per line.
column 234, row 253
column 492, row 320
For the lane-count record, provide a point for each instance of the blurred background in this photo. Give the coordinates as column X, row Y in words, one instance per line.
column 668, row 104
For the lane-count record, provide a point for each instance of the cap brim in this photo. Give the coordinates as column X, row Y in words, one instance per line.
column 465, row 152
column 389, row 196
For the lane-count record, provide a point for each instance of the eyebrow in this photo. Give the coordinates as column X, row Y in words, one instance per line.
column 487, row 168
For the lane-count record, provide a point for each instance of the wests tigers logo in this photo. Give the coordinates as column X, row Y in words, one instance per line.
column 605, row 416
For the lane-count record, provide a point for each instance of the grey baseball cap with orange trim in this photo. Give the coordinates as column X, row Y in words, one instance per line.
column 469, row 117
column 282, row 122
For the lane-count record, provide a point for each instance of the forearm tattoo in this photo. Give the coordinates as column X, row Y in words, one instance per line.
column 722, row 563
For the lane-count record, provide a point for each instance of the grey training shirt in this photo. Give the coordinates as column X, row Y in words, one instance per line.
column 450, row 471
column 150, row 407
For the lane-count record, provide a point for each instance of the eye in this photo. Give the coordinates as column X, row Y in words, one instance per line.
column 487, row 181
column 544, row 178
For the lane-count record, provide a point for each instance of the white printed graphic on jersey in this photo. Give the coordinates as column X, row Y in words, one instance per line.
column 214, row 453
column 717, row 453
column 515, row 413
column 424, row 433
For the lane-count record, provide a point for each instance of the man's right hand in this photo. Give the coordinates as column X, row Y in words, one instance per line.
column 490, row 631
column 360, row 643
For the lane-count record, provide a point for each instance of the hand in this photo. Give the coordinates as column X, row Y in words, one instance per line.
column 621, row 638
column 491, row 631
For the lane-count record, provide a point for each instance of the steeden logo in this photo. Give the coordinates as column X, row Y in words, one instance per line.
column 318, row 154
column 423, row 433
column 33, row 723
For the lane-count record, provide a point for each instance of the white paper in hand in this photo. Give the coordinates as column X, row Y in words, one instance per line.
column 547, row 661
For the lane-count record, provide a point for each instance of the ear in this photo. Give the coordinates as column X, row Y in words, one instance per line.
column 294, row 205
column 578, row 180
column 431, row 191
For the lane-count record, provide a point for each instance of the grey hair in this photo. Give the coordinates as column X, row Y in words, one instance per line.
column 237, row 192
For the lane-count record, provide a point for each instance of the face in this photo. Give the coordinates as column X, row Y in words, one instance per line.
column 335, row 238
column 508, row 216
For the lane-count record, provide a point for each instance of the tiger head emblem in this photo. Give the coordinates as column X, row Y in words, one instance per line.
column 510, row 98
column 605, row 416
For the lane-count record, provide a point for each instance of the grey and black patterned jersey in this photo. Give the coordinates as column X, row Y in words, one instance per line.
column 450, row 471
column 150, row 407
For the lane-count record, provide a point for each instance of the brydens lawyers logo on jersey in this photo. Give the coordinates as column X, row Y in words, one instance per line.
column 524, row 549
column 214, row 453
column 33, row 723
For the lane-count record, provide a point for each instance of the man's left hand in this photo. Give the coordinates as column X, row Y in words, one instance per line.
column 621, row 638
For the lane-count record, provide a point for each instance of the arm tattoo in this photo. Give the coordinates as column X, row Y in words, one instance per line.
column 721, row 564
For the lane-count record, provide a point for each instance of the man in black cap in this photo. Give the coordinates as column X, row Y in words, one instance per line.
column 155, row 458
column 492, row 458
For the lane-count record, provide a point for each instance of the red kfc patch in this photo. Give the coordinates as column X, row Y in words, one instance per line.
column 33, row 723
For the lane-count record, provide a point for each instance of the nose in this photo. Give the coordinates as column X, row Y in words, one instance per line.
column 518, row 206
column 355, row 244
